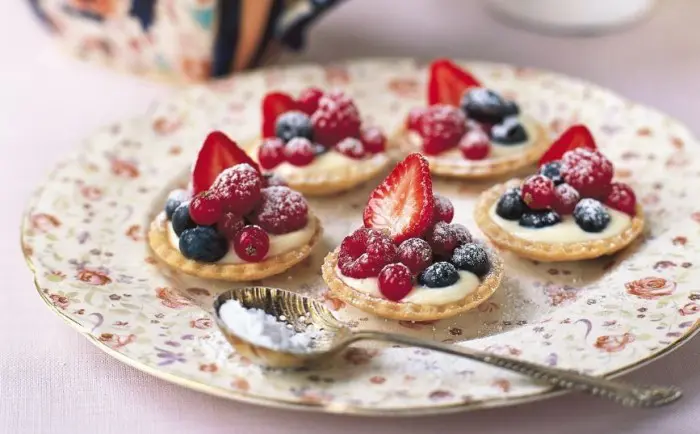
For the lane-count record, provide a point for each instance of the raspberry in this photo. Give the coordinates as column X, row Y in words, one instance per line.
column 355, row 244
column 351, row 147
column 475, row 145
column 373, row 139
column 251, row 243
column 381, row 249
column 587, row 171
column 206, row 208
column 443, row 211
column 271, row 153
column 335, row 119
column 622, row 198
column 441, row 128
column 299, row 151
column 565, row 199
column 280, row 210
column 357, row 268
column 416, row 254
column 273, row 180
column 395, row 281
column 414, row 118
column 308, row 100
column 538, row 192
column 229, row 225
column 364, row 253
column 442, row 239
column 239, row 188
column 462, row 233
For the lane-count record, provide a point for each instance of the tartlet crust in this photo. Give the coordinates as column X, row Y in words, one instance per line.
column 490, row 167
column 549, row 252
column 160, row 244
column 411, row 311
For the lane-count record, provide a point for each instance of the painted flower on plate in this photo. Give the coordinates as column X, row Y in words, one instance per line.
column 650, row 288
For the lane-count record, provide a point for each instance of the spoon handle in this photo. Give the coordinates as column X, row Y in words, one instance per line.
column 628, row 395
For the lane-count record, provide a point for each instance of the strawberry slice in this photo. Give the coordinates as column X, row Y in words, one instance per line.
column 577, row 136
column 273, row 105
column 403, row 203
column 447, row 82
column 217, row 154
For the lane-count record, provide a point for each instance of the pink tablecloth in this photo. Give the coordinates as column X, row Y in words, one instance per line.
column 54, row 381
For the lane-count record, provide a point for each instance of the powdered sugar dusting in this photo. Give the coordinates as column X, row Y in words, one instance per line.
column 351, row 147
column 281, row 210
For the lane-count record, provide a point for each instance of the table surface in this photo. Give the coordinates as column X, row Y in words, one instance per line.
column 52, row 380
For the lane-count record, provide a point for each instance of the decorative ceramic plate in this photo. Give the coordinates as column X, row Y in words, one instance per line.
column 83, row 236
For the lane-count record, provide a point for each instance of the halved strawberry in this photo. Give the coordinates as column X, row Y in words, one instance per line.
column 577, row 136
column 273, row 105
column 447, row 82
column 403, row 203
column 217, row 154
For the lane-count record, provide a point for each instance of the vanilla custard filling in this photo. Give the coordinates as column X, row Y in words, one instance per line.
column 467, row 283
column 279, row 244
column 566, row 231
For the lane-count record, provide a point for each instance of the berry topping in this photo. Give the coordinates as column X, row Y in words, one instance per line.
column 473, row 258
column 511, row 206
column 271, row 153
column 447, row 82
column 308, row 100
column 552, row 170
column 539, row 219
column 509, row 132
column 216, row 155
column 486, row 105
column 395, row 281
column 380, row 247
column 622, row 198
column 475, row 145
column 416, row 254
column 565, row 199
column 538, row 192
column 444, row 211
column 251, row 243
column 335, row 119
column 442, row 239
column 181, row 219
column 462, row 233
column 203, row 244
column 273, row 180
column 229, row 225
column 293, row 124
column 439, row 275
column 175, row 198
column 206, row 208
column 319, row 149
column 577, row 136
column 415, row 116
column 355, row 244
column 351, row 147
column 280, row 210
column 591, row 215
column 273, row 105
column 587, row 171
column 373, row 139
column 239, row 188
column 380, row 251
column 441, row 128
column 299, row 151
column 403, row 203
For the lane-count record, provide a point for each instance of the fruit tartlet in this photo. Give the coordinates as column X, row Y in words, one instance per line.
column 317, row 142
column 234, row 223
column 570, row 210
column 468, row 130
column 409, row 261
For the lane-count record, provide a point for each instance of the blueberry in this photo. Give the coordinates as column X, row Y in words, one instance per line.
column 509, row 132
column 439, row 275
column 294, row 124
column 181, row 219
column 539, row 219
column 511, row 206
column 203, row 244
column 319, row 149
column 175, row 198
column 552, row 170
column 487, row 106
column 471, row 257
column 591, row 216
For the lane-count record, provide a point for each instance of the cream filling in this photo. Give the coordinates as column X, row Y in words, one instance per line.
column 467, row 283
column 566, row 231
column 279, row 244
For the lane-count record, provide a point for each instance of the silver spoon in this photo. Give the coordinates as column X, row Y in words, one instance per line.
column 336, row 337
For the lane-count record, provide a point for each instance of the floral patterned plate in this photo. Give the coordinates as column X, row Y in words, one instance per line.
column 83, row 236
